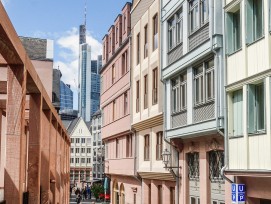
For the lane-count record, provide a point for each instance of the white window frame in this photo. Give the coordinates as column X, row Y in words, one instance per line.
column 174, row 30
column 202, row 78
column 178, row 90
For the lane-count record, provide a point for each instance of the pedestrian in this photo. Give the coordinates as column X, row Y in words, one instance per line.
column 79, row 198
column 89, row 192
column 85, row 193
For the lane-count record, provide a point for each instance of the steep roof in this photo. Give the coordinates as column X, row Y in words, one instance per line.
column 72, row 125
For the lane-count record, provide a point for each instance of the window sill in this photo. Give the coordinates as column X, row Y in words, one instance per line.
column 179, row 112
column 198, row 29
column 255, row 41
column 235, row 137
column 257, row 133
column 174, row 47
column 234, row 52
column 204, row 103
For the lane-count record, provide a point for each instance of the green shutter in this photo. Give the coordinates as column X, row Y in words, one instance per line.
column 229, row 35
column 251, row 109
column 249, row 21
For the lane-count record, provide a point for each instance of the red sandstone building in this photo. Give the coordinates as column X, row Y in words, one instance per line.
column 115, row 104
column 34, row 145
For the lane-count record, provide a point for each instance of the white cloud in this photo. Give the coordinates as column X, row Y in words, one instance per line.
column 68, row 54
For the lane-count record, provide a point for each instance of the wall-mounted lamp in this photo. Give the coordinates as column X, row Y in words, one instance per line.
column 166, row 156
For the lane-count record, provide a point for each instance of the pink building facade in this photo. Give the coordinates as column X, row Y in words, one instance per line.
column 115, row 104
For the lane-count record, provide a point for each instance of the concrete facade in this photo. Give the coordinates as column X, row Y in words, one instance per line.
column 34, row 151
column 116, row 132
column 248, row 97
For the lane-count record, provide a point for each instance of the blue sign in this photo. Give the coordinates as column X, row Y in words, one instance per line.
column 238, row 193
column 241, row 197
column 241, row 188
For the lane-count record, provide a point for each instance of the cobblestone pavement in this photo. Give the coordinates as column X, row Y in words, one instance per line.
column 88, row 201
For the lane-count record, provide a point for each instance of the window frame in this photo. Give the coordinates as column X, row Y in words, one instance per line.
column 155, row 32
column 147, row 147
column 155, row 86
column 159, row 145
column 137, row 96
column 175, row 29
column 179, row 89
column 138, row 48
column 146, row 91
column 146, row 41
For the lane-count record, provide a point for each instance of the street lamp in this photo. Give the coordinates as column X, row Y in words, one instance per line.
column 166, row 156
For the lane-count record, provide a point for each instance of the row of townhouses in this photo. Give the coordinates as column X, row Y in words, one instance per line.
column 185, row 101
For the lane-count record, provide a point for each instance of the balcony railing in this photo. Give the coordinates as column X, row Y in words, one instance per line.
column 145, row 101
column 146, row 153
column 146, row 50
column 159, row 152
column 137, row 105
column 154, row 96
column 155, row 41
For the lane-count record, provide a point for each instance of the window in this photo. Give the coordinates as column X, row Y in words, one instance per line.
column 88, row 150
column 175, row 29
column 83, row 140
column 125, row 103
column 77, row 160
column 204, row 82
column 179, row 89
column 198, row 14
column 138, row 48
column 114, row 110
column 137, row 96
column 256, row 108
column 154, row 86
column 146, row 147
column 194, row 200
column 159, row 145
column 155, row 32
column 77, row 140
column 160, row 194
column 72, row 140
column 113, row 74
column 88, row 140
column 83, row 160
column 72, row 150
column 172, row 195
column 129, row 145
column 88, row 160
column 124, row 23
column 145, row 91
column 83, row 150
column 193, row 166
column 233, row 22
column 117, row 148
column 124, row 63
column 237, row 112
column 77, row 150
column 106, row 150
column 72, row 160
column 254, row 20
column 216, row 163
column 109, row 44
column 145, row 41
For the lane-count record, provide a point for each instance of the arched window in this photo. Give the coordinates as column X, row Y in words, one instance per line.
column 122, row 194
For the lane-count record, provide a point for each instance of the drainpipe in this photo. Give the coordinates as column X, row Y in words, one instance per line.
column 131, row 108
column 226, row 146
column 165, row 104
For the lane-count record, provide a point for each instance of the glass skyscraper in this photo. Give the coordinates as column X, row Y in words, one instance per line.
column 66, row 97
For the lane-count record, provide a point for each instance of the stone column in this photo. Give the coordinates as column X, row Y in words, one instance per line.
column 166, row 192
column 154, row 192
column 16, row 96
column 45, row 156
column 145, row 191
column 34, row 151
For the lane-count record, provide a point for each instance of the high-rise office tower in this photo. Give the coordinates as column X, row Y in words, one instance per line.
column 95, row 85
column 66, row 96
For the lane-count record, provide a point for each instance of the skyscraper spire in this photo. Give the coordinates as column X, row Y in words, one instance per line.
column 85, row 13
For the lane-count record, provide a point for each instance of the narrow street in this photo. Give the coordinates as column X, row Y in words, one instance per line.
column 88, row 201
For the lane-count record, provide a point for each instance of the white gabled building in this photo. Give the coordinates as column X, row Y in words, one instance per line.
column 81, row 153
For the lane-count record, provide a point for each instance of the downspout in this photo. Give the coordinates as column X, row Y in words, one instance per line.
column 165, row 103
column 131, row 108
column 226, row 146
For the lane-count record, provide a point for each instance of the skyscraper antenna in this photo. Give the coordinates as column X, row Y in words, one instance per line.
column 85, row 13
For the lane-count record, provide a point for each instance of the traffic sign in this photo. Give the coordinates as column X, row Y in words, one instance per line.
column 238, row 193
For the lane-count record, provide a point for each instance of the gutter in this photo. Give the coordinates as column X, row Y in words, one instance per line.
column 177, row 194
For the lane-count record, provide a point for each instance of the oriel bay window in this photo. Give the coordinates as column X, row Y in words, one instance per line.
column 256, row 108
column 179, row 92
column 204, row 82
column 198, row 14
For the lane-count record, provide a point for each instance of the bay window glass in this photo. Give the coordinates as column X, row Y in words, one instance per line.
column 179, row 92
column 179, row 26
column 204, row 11
column 194, row 15
column 175, row 29
column 171, row 28
column 237, row 112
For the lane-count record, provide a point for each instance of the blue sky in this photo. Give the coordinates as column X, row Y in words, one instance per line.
column 59, row 20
